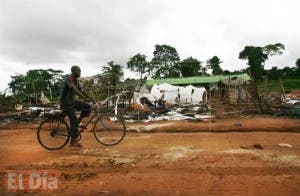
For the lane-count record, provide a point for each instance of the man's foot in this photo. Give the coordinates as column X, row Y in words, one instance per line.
column 74, row 143
column 77, row 135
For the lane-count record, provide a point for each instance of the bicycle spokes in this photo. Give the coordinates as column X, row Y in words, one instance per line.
column 53, row 134
column 109, row 129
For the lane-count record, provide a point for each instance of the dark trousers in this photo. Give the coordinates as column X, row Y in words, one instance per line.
column 71, row 113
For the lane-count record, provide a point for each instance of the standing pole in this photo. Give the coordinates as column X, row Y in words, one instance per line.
column 255, row 91
column 50, row 92
column 282, row 88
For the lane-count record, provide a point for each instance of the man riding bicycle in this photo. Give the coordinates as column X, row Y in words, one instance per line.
column 69, row 105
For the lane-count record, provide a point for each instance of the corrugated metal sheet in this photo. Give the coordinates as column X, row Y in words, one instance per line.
column 195, row 80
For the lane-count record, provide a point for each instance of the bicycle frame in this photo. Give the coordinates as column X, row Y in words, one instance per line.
column 96, row 113
column 88, row 122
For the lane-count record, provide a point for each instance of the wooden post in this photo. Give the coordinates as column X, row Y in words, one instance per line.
column 282, row 88
column 266, row 88
column 50, row 93
column 255, row 92
column 239, row 92
column 229, row 100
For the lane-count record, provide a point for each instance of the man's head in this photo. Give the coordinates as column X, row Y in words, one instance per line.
column 76, row 71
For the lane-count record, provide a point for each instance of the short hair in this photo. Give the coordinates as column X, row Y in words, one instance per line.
column 75, row 67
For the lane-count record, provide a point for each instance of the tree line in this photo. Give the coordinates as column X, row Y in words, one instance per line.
column 165, row 63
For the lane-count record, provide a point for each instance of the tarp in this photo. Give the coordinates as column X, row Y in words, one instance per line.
column 178, row 94
column 137, row 96
column 44, row 99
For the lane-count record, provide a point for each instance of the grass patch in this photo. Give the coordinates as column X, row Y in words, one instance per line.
column 274, row 85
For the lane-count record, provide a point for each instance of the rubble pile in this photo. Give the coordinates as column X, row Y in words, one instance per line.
column 292, row 102
column 192, row 112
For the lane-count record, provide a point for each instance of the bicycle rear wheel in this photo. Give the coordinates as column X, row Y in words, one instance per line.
column 109, row 129
column 53, row 134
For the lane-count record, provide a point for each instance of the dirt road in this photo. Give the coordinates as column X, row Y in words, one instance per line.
column 165, row 163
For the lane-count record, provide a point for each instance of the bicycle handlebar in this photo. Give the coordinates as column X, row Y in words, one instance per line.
column 95, row 106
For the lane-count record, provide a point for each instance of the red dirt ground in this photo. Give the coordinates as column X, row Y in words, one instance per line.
column 176, row 163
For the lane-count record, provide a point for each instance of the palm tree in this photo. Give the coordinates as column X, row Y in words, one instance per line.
column 139, row 64
column 113, row 74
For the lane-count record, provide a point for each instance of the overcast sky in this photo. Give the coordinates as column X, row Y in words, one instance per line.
column 60, row 33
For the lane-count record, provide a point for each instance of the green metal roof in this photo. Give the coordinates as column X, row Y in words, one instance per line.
column 196, row 79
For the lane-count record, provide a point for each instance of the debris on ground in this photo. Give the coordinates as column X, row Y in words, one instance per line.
column 237, row 124
column 285, row 145
column 178, row 152
column 244, row 147
column 230, row 113
column 198, row 112
column 18, row 107
column 292, row 102
column 148, row 128
column 258, row 146
column 30, row 113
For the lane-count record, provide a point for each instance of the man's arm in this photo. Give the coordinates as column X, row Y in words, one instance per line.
column 87, row 95
column 81, row 94
column 82, row 91
column 70, row 83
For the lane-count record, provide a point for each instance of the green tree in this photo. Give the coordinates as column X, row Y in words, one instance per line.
column 190, row 67
column 285, row 73
column 139, row 64
column 226, row 72
column 17, row 84
column 165, row 62
column 274, row 73
column 298, row 65
column 2, row 101
column 290, row 72
column 203, row 71
column 113, row 73
column 214, row 64
column 30, row 85
column 256, row 57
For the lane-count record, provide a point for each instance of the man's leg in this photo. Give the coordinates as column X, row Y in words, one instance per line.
column 74, row 124
column 84, row 108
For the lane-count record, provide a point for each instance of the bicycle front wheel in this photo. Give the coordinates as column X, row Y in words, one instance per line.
column 109, row 129
column 53, row 134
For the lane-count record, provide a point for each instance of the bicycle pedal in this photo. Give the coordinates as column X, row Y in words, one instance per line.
column 82, row 127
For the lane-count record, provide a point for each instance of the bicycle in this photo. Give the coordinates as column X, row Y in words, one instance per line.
column 53, row 132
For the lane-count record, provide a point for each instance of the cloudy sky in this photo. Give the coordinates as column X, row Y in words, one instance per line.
column 60, row 33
